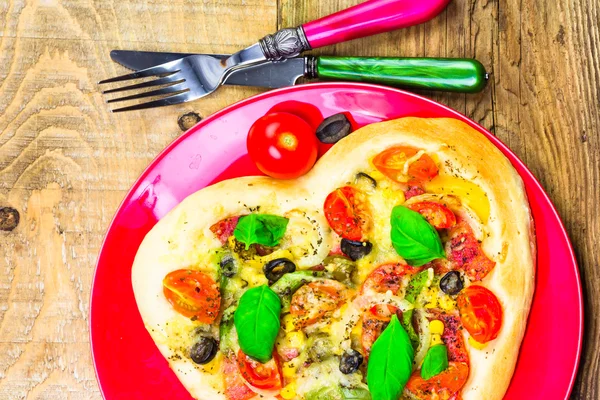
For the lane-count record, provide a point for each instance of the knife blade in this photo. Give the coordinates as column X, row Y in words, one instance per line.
column 269, row 75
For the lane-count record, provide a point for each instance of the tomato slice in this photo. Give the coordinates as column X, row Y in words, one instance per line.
column 391, row 163
column 464, row 252
column 374, row 322
column 224, row 228
column 235, row 387
column 441, row 386
column 387, row 277
column 438, row 215
column 381, row 279
column 315, row 300
column 347, row 212
column 193, row 294
column 258, row 375
column 282, row 145
column 480, row 313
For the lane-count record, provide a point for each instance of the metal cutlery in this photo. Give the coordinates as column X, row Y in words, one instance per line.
column 447, row 74
column 196, row 76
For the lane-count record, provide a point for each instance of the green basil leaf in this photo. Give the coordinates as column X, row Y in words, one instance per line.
column 414, row 238
column 264, row 229
column 257, row 322
column 436, row 361
column 390, row 362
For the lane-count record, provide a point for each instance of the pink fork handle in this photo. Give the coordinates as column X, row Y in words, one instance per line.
column 370, row 18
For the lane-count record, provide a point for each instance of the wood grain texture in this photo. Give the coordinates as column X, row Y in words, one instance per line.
column 66, row 162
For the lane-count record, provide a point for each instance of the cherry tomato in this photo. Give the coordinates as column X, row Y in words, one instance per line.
column 436, row 214
column 387, row 277
column 224, row 228
column 441, row 386
column 261, row 376
column 374, row 321
column 313, row 301
column 391, row 163
column 464, row 252
column 282, row 145
column 347, row 213
column 480, row 313
column 193, row 294
column 235, row 387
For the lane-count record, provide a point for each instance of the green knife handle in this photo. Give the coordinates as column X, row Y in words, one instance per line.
column 447, row 74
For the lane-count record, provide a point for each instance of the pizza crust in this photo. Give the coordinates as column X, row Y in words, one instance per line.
column 177, row 241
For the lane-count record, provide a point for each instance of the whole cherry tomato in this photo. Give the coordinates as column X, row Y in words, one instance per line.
column 282, row 145
column 480, row 313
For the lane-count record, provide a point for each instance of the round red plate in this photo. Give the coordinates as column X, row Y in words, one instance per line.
column 128, row 364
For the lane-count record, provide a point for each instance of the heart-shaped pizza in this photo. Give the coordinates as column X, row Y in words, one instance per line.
column 401, row 266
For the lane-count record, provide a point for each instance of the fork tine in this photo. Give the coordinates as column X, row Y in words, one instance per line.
column 163, row 69
column 173, row 89
column 167, row 101
column 162, row 81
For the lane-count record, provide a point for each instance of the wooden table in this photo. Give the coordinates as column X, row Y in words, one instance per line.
column 66, row 161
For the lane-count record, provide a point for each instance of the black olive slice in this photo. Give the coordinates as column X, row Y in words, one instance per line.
column 350, row 361
column 355, row 249
column 227, row 265
column 278, row 267
column 204, row 350
column 361, row 176
column 334, row 128
column 451, row 283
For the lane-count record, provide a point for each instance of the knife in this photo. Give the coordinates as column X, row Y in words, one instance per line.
column 444, row 74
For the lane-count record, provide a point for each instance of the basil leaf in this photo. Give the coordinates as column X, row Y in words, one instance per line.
column 287, row 285
column 390, row 362
column 414, row 238
column 257, row 322
column 264, row 229
column 436, row 361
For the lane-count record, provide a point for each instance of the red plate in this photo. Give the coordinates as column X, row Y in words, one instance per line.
column 128, row 364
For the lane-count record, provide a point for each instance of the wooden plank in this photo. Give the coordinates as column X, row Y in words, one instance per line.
column 66, row 162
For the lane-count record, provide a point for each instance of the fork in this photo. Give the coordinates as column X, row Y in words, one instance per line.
column 196, row 76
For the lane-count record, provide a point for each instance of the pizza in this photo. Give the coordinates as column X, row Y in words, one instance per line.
column 401, row 266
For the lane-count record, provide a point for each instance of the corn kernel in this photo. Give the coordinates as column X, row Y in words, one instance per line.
column 476, row 344
column 436, row 326
column 296, row 339
column 435, row 339
column 288, row 323
column 289, row 391
column 289, row 369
